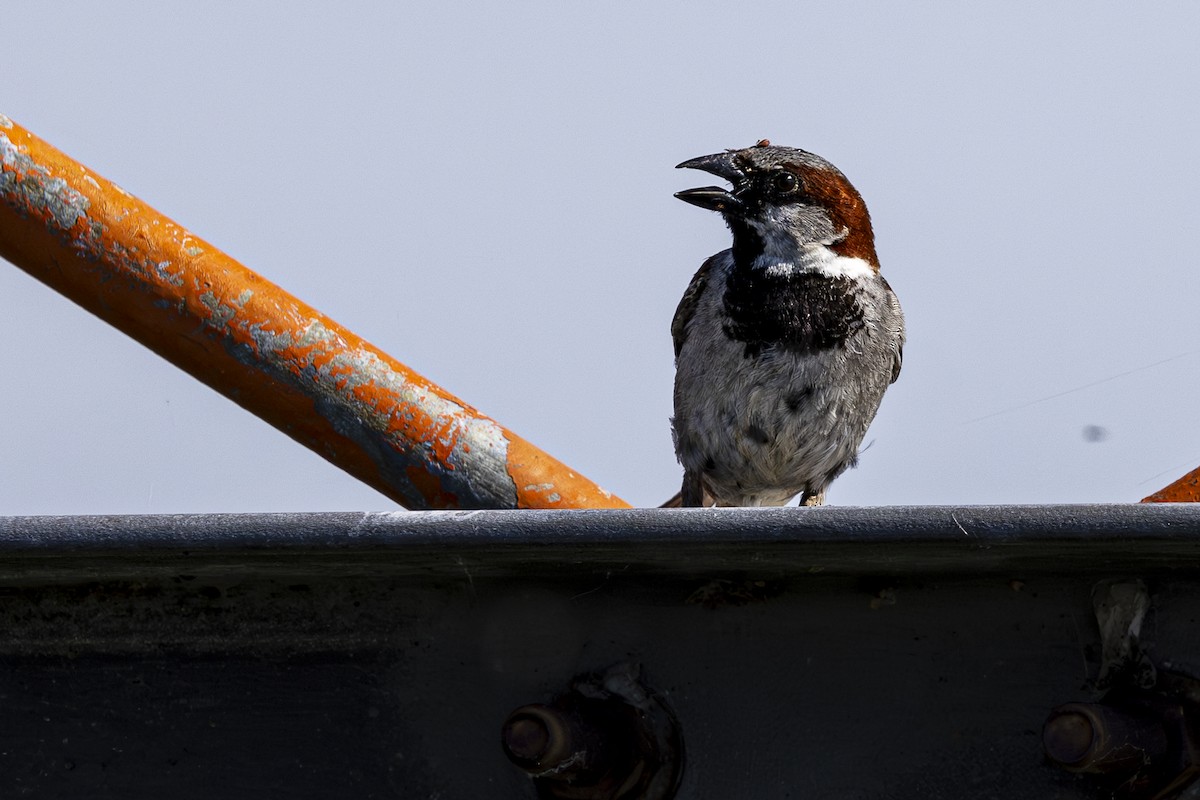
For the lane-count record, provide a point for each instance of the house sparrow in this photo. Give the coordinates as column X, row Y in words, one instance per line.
column 785, row 343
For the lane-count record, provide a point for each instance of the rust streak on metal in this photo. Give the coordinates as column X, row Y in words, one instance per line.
column 261, row 347
column 1184, row 490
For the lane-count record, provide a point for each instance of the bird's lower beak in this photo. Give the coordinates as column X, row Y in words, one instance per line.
column 714, row 198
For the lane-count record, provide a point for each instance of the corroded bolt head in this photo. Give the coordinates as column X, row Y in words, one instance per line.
column 536, row 738
column 1068, row 737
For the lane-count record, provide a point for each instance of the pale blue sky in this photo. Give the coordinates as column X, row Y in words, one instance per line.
column 484, row 191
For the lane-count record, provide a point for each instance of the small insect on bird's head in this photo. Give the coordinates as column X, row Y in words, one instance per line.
column 783, row 198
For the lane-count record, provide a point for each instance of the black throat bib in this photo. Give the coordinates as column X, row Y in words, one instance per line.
column 802, row 312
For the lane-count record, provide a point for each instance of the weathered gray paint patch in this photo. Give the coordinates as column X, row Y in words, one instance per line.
column 475, row 468
column 221, row 313
column 163, row 268
column 32, row 186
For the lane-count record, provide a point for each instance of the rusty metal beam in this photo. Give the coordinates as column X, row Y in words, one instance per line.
column 1184, row 490
column 270, row 353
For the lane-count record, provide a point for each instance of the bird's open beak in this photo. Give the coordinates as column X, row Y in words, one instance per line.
column 714, row 198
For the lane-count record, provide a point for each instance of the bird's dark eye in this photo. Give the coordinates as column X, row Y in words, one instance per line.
column 784, row 182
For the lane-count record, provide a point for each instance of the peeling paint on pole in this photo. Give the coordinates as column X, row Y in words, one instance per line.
column 253, row 342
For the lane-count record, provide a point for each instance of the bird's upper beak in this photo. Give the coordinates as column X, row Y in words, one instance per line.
column 714, row 198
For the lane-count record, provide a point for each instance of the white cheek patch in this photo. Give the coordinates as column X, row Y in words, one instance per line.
column 814, row 258
column 842, row 267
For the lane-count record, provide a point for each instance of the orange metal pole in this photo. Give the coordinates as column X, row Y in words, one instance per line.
column 262, row 348
column 1184, row 490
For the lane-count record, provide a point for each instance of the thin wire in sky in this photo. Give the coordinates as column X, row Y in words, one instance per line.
column 1057, row 395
